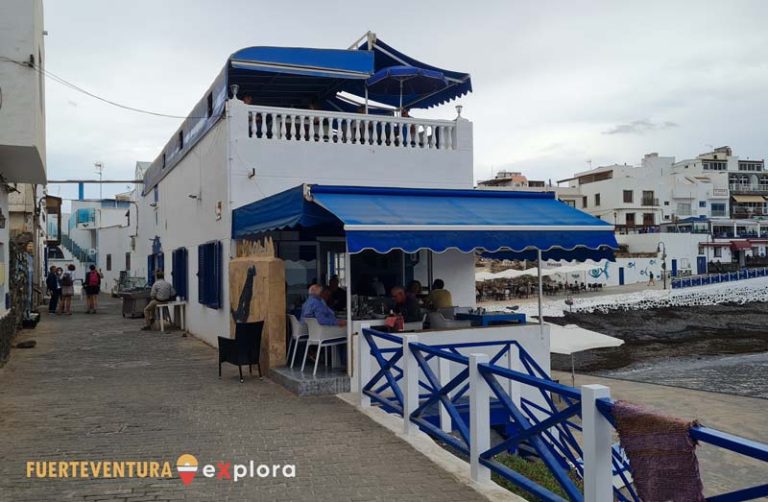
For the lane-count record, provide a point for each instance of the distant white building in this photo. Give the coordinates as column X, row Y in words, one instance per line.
column 516, row 181
column 100, row 232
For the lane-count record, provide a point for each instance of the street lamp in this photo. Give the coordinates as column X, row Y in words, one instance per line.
column 100, row 170
column 662, row 248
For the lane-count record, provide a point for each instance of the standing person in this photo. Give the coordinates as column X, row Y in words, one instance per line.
column 651, row 279
column 67, row 291
column 162, row 291
column 52, row 283
column 92, row 288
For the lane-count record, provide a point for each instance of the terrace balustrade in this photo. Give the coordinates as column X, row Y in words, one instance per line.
column 315, row 126
column 456, row 392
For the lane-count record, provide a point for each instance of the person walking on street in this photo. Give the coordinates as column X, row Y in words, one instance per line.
column 67, row 291
column 162, row 292
column 92, row 288
column 651, row 279
column 53, row 285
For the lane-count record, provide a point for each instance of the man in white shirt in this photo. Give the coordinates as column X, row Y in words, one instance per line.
column 162, row 292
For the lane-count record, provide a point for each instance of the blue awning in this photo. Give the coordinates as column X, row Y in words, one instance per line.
column 308, row 62
column 385, row 56
column 296, row 76
column 410, row 219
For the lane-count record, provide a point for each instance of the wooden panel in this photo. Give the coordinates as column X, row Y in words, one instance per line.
column 257, row 292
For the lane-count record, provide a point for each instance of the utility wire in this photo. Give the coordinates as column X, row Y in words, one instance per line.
column 79, row 89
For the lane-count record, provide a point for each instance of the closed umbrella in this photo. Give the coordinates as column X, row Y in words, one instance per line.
column 405, row 80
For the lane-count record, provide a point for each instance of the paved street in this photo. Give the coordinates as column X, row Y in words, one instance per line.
column 97, row 388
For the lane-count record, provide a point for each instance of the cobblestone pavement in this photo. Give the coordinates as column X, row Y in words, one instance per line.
column 97, row 388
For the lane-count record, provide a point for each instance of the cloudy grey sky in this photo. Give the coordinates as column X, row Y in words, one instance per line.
column 557, row 83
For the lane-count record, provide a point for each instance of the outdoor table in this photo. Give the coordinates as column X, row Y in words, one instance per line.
column 490, row 318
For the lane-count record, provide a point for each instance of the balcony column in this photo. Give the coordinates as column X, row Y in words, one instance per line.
column 735, row 230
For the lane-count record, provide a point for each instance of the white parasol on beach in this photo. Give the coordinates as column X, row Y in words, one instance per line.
column 569, row 339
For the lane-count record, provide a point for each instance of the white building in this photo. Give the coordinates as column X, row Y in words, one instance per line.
column 22, row 116
column 100, row 232
column 516, row 181
column 230, row 155
column 199, row 179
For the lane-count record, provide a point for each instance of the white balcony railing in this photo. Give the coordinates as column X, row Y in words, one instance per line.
column 313, row 126
column 746, row 187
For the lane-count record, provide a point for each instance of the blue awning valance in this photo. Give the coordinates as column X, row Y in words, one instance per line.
column 515, row 224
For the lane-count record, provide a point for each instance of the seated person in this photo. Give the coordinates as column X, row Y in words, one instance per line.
column 337, row 296
column 439, row 297
column 405, row 305
column 162, row 292
column 316, row 308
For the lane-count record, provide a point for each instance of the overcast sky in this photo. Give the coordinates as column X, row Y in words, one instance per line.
column 556, row 83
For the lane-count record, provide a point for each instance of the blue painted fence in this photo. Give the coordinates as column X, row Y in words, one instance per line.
column 548, row 426
column 703, row 280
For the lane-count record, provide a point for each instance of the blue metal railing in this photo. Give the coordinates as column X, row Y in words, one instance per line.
column 703, row 280
column 537, row 425
column 78, row 253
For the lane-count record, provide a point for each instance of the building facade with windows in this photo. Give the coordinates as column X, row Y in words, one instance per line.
column 251, row 136
column 22, row 147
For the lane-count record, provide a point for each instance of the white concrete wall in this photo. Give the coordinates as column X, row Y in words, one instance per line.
column 22, row 121
column 181, row 221
column 114, row 241
column 457, row 270
column 280, row 165
column 681, row 247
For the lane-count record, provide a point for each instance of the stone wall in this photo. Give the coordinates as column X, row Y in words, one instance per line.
column 19, row 296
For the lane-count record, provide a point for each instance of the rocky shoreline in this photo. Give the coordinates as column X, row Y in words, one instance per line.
column 698, row 331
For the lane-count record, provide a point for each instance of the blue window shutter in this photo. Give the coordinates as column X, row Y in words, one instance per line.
column 216, row 282
column 180, row 271
column 201, row 274
column 150, row 269
column 209, row 275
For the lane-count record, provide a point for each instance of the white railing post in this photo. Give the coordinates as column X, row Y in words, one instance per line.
column 363, row 366
column 598, row 471
column 444, row 376
column 513, row 363
column 411, row 387
column 479, row 419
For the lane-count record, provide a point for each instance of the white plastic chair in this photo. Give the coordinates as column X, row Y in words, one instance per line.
column 298, row 333
column 322, row 336
column 415, row 325
column 438, row 321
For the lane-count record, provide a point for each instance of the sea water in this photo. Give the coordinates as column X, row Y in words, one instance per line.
column 742, row 374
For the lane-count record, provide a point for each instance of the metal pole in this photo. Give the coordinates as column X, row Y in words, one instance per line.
column 348, row 274
column 366, row 100
column 541, row 289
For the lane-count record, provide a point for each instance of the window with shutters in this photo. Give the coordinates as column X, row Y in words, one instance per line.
column 209, row 274
column 179, row 263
